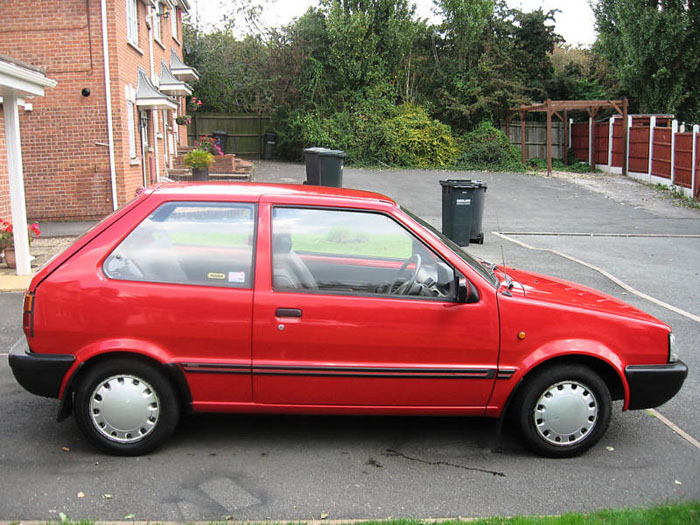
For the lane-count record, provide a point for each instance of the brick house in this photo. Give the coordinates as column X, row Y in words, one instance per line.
column 108, row 127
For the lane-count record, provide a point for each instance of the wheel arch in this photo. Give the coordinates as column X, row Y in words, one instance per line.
column 605, row 370
column 172, row 371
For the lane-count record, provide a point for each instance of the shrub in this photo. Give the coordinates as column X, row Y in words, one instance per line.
column 488, row 148
column 198, row 159
column 370, row 134
column 413, row 139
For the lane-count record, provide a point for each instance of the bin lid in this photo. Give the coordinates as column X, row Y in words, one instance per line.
column 463, row 183
column 315, row 150
column 332, row 153
column 219, row 132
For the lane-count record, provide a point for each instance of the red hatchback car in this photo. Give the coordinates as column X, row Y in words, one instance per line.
column 296, row 299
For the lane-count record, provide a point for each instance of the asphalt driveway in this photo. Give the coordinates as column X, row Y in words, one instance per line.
column 302, row 468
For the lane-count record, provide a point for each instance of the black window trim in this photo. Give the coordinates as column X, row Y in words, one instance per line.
column 455, row 271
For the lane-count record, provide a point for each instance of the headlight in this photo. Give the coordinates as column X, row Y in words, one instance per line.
column 674, row 353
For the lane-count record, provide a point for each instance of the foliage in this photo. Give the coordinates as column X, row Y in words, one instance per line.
column 183, row 120
column 398, row 136
column 208, row 144
column 652, row 47
column 7, row 239
column 412, row 138
column 198, row 159
column 574, row 166
column 488, row 148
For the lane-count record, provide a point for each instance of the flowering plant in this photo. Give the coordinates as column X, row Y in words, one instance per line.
column 194, row 104
column 6, row 238
column 183, row 120
column 208, row 144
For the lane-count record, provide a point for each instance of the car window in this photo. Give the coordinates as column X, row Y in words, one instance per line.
column 189, row 243
column 342, row 251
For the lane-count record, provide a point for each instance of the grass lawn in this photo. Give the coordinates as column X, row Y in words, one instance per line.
column 675, row 514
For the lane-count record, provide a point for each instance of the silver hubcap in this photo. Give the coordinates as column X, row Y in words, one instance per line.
column 124, row 408
column 565, row 413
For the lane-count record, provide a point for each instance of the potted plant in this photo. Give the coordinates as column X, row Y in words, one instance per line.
column 7, row 240
column 183, row 120
column 199, row 160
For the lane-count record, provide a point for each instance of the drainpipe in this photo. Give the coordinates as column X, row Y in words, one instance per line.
column 108, row 96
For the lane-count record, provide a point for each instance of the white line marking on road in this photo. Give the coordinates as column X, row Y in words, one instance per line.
column 607, row 274
column 590, row 234
column 678, row 430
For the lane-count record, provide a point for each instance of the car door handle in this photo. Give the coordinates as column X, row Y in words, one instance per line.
column 288, row 312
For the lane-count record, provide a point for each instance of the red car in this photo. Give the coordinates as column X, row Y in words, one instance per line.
column 309, row 300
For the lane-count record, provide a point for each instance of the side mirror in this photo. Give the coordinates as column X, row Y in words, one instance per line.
column 466, row 292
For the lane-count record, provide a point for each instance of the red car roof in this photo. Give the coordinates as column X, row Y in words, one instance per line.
column 260, row 189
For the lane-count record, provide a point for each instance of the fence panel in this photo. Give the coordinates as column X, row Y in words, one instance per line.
column 617, row 143
column 639, row 149
column 601, row 143
column 536, row 139
column 661, row 162
column 579, row 140
column 683, row 160
column 244, row 131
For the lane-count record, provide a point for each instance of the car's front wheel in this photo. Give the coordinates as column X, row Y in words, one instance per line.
column 126, row 407
column 564, row 410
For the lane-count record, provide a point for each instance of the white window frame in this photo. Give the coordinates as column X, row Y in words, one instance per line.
column 131, row 120
column 157, row 26
column 132, row 22
column 173, row 23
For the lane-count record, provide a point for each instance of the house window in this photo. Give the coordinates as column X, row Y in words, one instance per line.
column 131, row 128
column 174, row 16
column 132, row 22
column 157, row 28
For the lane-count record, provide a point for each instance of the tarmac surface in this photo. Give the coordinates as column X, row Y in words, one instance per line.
column 303, row 468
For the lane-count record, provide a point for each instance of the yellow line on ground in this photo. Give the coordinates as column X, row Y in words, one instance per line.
column 607, row 274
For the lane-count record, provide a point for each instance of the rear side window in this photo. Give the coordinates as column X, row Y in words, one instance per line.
column 189, row 243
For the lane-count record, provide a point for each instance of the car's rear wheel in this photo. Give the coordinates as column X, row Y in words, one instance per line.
column 563, row 411
column 126, row 407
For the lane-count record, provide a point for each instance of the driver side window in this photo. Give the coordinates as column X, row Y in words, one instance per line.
column 340, row 251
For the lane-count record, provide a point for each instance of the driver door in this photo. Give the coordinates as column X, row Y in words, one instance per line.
column 327, row 330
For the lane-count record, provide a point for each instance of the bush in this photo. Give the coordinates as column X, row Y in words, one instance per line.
column 413, row 139
column 198, row 159
column 488, row 148
column 370, row 134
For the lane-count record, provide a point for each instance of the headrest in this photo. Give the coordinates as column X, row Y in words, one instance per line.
column 282, row 243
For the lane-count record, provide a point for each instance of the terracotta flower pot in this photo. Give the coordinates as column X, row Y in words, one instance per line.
column 10, row 258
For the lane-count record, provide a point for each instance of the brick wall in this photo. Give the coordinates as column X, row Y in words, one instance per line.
column 65, row 137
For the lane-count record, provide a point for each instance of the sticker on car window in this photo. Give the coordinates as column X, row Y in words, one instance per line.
column 236, row 277
column 216, row 275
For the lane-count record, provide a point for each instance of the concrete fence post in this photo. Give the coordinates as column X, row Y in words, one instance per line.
column 626, row 160
column 590, row 142
column 674, row 130
column 611, row 127
column 694, row 170
column 652, row 125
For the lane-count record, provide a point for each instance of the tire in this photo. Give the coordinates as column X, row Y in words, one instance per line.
column 563, row 411
column 126, row 407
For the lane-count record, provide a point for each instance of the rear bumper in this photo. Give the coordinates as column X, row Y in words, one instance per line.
column 40, row 374
column 653, row 385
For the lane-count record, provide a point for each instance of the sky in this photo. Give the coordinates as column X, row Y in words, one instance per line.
column 575, row 22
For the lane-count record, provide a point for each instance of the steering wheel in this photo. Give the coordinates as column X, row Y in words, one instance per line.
column 401, row 289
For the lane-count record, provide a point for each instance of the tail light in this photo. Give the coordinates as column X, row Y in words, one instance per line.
column 28, row 314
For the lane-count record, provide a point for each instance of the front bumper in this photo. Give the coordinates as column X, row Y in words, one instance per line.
column 653, row 385
column 40, row 374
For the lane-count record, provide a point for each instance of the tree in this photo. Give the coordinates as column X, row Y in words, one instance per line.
column 652, row 45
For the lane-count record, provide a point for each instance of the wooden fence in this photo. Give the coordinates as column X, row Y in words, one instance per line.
column 659, row 151
column 536, row 139
column 244, row 131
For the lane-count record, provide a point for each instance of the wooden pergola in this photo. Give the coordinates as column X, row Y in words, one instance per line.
column 560, row 109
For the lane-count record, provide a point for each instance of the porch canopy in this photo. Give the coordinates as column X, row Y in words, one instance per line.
column 18, row 80
column 560, row 109
column 149, row 97
column 180, row 70
column 169, row 84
